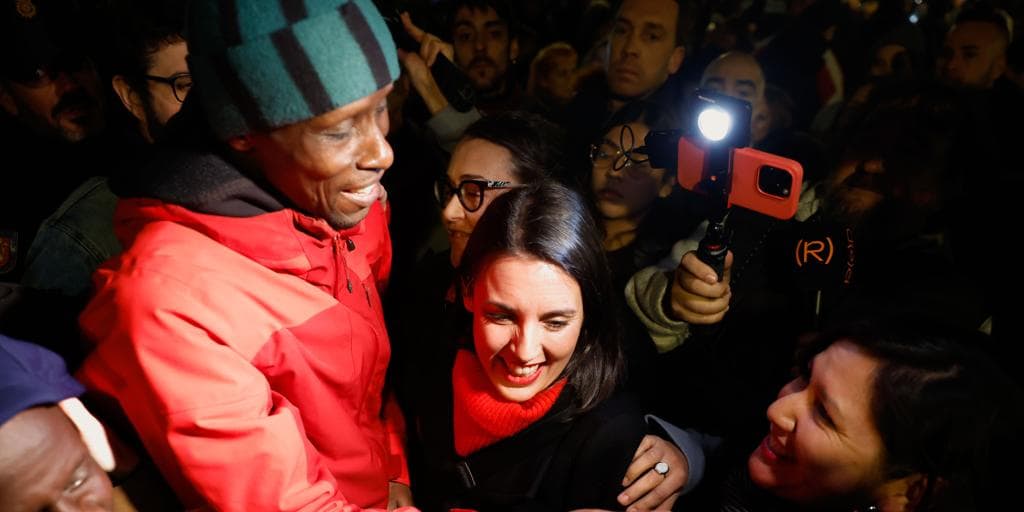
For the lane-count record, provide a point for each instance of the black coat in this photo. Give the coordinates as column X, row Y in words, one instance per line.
column 558, row 463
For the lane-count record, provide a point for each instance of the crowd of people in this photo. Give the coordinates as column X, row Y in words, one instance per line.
column 431, row 255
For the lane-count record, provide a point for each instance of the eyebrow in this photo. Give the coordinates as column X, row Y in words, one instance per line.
column 469, row 177
column 650, row 25
column 569, row 313
column 487, row 24
column 748, row 83
column 497, row 305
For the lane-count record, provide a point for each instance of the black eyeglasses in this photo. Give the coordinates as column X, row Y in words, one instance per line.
column 45, row 74
column 470, row 192
column 627, row 157
column 180, row 83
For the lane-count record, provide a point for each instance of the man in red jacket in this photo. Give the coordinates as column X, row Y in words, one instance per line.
column 241, row 330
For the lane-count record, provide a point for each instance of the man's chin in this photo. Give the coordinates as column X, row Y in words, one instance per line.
column 341, row 221
column 486, row 84
column 626, row 90
column 80, row 128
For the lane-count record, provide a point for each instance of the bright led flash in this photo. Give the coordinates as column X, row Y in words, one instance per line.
column 714, row 123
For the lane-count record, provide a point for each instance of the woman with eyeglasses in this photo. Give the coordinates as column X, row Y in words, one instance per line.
column 638, row 223
column 627, row 191
column 497, row 154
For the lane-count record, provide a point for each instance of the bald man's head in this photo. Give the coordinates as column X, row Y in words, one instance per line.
column 974, row 53
column 739, row 75
column 736, row 74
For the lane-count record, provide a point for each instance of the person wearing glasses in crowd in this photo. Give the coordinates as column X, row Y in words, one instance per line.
column 151, row 78
column 498, row 153
column 637, row 220
column 52, row 116
column 627, row 190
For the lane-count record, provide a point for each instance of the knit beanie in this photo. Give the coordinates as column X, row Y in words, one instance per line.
column 263, row 64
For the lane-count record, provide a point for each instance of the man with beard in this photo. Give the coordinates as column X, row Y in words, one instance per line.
column 886, row 213
column 51, row 112
column 484, row 47
column 151, row 78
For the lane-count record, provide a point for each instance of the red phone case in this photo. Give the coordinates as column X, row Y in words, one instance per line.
column 746, row 165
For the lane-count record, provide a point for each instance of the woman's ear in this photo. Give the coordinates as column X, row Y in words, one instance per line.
column 903, row 494
column 129, row 97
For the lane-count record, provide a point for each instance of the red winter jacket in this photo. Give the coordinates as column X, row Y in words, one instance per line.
column 249, row 354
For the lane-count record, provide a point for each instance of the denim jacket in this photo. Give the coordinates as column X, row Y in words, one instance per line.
column 72, row 242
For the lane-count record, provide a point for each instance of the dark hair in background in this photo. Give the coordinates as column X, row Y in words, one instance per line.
column 652, row 113
column 550, row 222
column 535, row 144
column 924, row 134
column 502, row 8
column 943, row 409
column 685, row 9
column 143, row 28
column 982, row 12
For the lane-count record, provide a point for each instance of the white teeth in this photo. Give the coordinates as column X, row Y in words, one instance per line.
column 363, row 191
column 524, row 371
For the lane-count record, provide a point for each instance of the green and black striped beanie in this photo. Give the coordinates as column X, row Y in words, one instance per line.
column 263, row 64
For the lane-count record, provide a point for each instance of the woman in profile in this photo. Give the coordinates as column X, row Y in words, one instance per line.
column 887, row 419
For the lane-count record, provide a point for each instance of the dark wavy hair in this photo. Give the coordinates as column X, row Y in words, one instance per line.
column 943, row 408
column 552, row 223
column 534, row 143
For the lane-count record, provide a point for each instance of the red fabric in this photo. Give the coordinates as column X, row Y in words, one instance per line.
column 249, row 355
column 481, row 417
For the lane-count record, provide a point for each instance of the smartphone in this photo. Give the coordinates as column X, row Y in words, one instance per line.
column 759, row 181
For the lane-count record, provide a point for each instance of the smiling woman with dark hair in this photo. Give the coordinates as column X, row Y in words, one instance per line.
column 526, row 416
column 499, row 155
column 888, row 418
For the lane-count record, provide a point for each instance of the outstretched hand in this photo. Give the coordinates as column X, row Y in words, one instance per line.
column 430, row 45
column 417, row 64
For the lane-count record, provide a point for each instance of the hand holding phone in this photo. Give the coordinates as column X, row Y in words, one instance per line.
column 697, row 295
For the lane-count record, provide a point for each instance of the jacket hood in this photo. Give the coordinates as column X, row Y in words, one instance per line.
column 206, row 193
